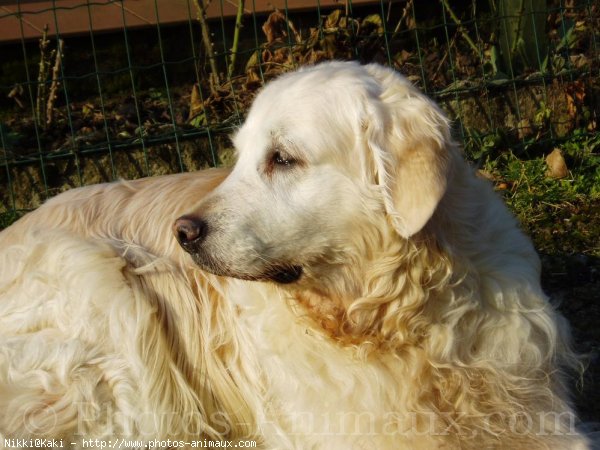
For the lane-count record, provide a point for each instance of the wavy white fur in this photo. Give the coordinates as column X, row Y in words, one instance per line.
column 415, row 319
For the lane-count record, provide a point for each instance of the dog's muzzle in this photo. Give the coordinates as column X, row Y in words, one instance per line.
column 191, row 232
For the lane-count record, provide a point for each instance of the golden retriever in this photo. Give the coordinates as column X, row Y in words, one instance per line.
column 350, row 284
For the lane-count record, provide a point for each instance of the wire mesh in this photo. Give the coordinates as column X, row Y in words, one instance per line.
column 139, row 93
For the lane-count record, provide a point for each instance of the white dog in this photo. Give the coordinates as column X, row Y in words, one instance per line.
column 351, row 284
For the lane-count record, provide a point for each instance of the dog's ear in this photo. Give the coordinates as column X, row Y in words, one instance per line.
column 409, row 138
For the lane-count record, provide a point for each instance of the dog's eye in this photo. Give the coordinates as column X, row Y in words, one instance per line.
column 281, row 159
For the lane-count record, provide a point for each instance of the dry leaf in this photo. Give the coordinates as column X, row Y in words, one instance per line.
column 275, row 27
column 557, row 167
column 524, row 128
column 333, row 19
column 196, row 105
column 575, row 97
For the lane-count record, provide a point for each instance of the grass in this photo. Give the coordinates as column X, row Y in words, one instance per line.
column 7, row 218
column 561, row 215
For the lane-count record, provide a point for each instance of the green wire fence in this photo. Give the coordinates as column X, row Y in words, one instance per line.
column 93, row 91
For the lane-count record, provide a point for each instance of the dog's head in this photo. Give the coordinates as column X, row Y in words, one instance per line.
column 331, row 160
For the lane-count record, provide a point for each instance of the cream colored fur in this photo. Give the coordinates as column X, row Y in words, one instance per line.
column 418, row 321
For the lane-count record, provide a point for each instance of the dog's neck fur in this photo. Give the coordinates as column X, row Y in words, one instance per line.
column 391, row 285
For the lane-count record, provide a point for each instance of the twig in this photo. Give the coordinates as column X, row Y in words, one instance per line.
column 407, row 7
column 42, row 75
column 444, row 58
column 55, row 83
column 461, row 28
column 214, row 75
column 236, row 37
column 15, row 93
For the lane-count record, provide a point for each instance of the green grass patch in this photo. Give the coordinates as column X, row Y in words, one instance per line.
column 8, row 217
column 562, row 215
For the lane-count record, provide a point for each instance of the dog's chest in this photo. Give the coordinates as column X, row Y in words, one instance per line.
column 317, row 393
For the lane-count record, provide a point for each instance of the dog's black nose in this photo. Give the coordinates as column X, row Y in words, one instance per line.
column 190, row 230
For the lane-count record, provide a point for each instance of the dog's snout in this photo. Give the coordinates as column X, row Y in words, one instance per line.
column 190, row 231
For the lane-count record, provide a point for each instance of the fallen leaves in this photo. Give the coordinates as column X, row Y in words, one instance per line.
column 557, row 167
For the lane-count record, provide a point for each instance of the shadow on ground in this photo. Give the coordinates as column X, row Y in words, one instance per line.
column 573, row 282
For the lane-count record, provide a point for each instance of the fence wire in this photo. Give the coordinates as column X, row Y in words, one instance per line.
column 93, row 91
